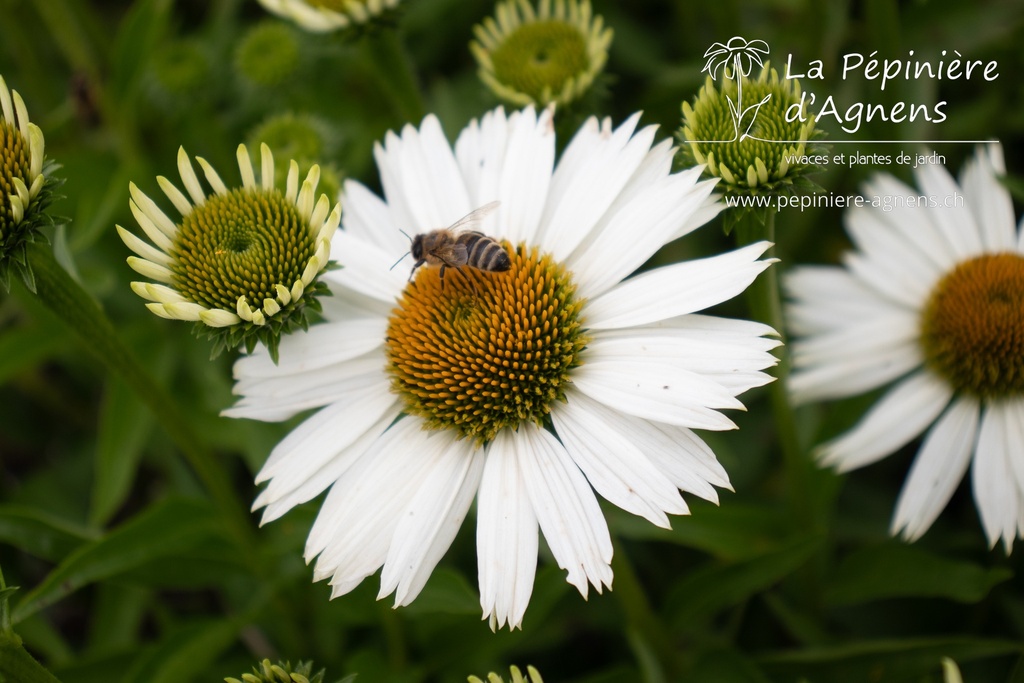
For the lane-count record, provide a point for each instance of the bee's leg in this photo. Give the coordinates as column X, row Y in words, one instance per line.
column 469, row 280
column 414, row 267
column 442, row 276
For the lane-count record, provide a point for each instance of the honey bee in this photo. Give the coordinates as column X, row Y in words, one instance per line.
column 455, row 247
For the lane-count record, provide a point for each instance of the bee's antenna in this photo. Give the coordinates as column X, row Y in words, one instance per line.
column 406, row 253
column 401, row 259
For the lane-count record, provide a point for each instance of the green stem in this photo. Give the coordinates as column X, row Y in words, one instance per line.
column 76, row 309
column 766, row 306
column 395, row 73
column 643, row 621
column 16, row 664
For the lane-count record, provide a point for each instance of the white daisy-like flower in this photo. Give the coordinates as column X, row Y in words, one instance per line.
column 523, row 388
column 932, row 299
column 329, row 15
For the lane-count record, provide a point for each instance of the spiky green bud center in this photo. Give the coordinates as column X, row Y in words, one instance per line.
column 759, row 150
column 242, row 243
column 972, row 329
column 540, row 57
column 485, row 351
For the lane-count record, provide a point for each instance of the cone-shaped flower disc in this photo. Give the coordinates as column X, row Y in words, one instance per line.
column 550, row 54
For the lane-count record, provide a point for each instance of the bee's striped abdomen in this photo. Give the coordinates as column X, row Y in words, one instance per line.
column 484, row 253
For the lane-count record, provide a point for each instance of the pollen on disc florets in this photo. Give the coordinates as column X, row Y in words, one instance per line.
column 487, row 350
column 758, row 153
column 551, row 54
column 26, row 187
column 243, row 263
column 972, row 328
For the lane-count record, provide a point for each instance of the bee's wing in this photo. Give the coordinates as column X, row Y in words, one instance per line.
column 472, row 218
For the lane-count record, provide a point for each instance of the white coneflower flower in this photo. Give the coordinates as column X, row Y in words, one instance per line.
column 933, row 299
column 24, row 194
column 245, row 263
column 329, row 15
column 521, row 389
column 550, row 54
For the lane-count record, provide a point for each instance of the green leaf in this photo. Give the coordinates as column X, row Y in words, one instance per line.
column 882, row 661
column 124, row 425
column 39, row 533
column 734, row 531
column 706, row 591
column 165, row 529
column 446, row 591
column 26, row 347
column 184, row 654
column 895, row 570
column 140, row 31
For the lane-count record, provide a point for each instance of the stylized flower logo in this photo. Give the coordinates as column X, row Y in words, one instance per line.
column 736, row 59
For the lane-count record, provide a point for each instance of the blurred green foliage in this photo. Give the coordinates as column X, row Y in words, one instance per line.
column 128, row 573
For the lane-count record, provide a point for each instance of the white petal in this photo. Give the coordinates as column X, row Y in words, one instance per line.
column 181, row 203
column 245, row 167
column 189, row 178
column 734, row 365
column 430, row 521
column 937, row 469
column 153, row 212
column 637, row 224
column 988, row 200
column 143, row 249
column 826, row 298
column 955, row 222
column 367, row 269
column 351, row 535
column 594, row 168
column 366, row 216
column 995, row 485
column 904, row 268
column 281, row 495
column 566, row 508
column 614, row 466
column 509, row 159
column 1013, row 421
column 421, row 178
column 899, row 416
column 326, row 433
column 149, row 269
column 910, row 221
column 506, row 536
column 278, row 398
column 655, row 392
column 677, row 289
column 854, row 375
column 322, row 345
